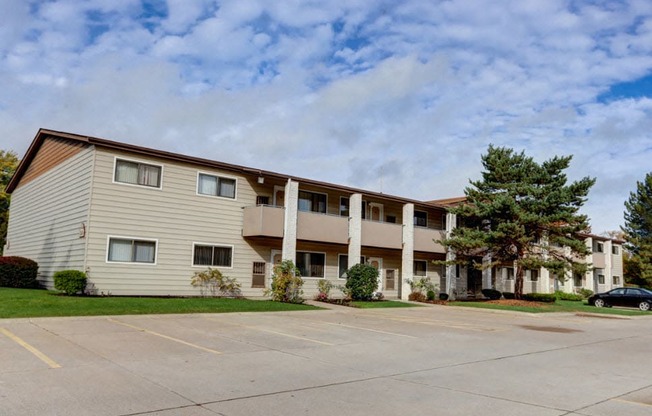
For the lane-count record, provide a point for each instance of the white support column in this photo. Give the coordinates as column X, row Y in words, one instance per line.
column 486, row 272
column 407, row 261
column 588, row 277
column 451, row 276
column 355, row 229
column 290, row 224
column 608, row 275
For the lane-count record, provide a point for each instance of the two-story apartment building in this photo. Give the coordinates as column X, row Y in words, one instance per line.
column 141, row 221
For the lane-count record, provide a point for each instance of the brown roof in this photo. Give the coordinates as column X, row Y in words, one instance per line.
column 447, row 202
column 42, row 134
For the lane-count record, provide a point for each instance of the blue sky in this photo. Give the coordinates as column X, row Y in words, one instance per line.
column 399, row 97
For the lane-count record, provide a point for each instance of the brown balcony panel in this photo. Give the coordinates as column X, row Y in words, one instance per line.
column 599, row 260
column 323, row 228
column 381, row 234
column 263, row 221
column 424, row 240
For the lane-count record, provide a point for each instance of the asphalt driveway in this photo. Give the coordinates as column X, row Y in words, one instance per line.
column 416, row 361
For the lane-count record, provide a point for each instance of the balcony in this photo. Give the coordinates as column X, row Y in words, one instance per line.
column 325, row 228
column 382, row 234
column 263, row 221
column 424, row 240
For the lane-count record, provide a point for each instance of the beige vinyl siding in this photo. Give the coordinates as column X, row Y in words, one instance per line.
column 176, row 217
column 617, row 265
column 47, row 214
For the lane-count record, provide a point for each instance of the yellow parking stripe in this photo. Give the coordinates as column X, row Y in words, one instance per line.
column 180, row 341
column 632, row 402
column 47, row 360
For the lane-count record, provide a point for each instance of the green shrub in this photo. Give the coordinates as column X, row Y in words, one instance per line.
column 362, row 281
column 70, row 282
column 492, row 294
column 18, row 272
column 509, row 295
column 567, row 296
column 586, row 293
column 540, row 297
column 286, row 283
column 213, row 282
column 443, row 296
column 430, row 295
column 324, row 287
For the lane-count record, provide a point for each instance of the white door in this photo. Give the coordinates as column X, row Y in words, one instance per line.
column 377, row 262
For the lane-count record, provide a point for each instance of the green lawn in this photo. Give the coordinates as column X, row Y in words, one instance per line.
column 27, row 303
column 382, row 304
column 559, row 306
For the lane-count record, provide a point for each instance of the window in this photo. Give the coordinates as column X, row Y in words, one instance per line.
column 599, row 247
column 600, row 279
column 262, row 200
column 364, row 210
column 137, row 173
column 211, row 255
column 344, row 206
column 616, row 280
column 215, row 186
column 615, row 250
column 577, row 280
column 510, row 273
column 534, row 275
column 391, row 219
column 311, row 264
column 443, row 221
column 343, row 262
column 420, row 267
column 127, row 250
column 312, row 202
column 420, row 218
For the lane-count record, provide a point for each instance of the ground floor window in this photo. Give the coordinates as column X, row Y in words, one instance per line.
column 212, row 255
column 510, row 273
column 534, row 275
column 311, row 264
column 616, row 280
column 420, row 268
column 129, row 250
column 600, row 279
column 343, row 262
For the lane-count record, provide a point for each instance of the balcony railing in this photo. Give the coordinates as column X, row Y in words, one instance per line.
column 382, row 234
column 314, row 226
column 424, row 240
column 263, row 221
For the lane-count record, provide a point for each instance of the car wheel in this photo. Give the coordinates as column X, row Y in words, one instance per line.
column 598, row 303
column 644, row 306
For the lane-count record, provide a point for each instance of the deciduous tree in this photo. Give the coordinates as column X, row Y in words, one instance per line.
column 524, row 212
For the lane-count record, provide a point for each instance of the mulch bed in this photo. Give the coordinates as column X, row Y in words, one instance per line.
column 516, row 302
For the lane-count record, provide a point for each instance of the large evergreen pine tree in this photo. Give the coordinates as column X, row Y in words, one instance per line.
column 638, row 232
column 523, row 212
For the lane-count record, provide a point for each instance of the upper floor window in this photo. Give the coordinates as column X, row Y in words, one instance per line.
column 420, row 218
column 312, row 202
column 128, row 250
column 212, row 255
column 344, row 206
column 615, row 250
column 599, row 247
column 137, row 173
column 216, row 186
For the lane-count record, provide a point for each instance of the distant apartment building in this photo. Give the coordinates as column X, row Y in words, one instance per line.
column 141, row 221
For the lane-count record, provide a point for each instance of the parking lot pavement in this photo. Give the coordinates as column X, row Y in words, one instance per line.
column 441, row 360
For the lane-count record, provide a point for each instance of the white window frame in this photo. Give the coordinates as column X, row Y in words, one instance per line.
column 198, row 243
column 122, row 237
column 615, row 250
column 235, row 192
column 143, row 162
column 339, row 256
column 599, row 247
column 415, row 217
column 314, row 212
column 325, row 263
column 420, row 261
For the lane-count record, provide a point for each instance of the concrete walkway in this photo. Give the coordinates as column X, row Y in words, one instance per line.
column 416, row 361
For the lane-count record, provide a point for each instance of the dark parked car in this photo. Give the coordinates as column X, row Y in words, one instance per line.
column 630, row 297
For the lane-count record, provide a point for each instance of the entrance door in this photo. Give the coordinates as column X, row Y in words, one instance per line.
column 375, row 211
column 377, row 262
column 279, row 196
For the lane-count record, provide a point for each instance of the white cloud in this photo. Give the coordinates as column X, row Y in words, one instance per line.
column 414, row 90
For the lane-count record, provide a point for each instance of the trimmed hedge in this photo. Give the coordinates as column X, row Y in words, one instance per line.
column 430, row 295
column 70, row 282
column 492, row 294
column 540, row 297
column 18, row 272
column 568, row 296
column 509, row 295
